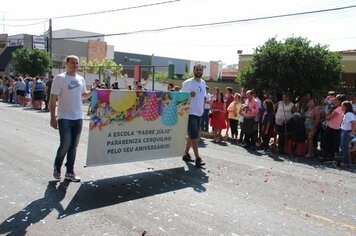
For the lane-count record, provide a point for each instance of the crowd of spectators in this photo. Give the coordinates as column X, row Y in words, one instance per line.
column 301, row 127
column 26, row 91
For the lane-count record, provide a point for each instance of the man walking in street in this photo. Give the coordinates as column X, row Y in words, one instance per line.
column 69, row 89
column 197, row 87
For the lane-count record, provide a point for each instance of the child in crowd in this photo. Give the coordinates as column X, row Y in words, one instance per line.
column 330, row 102
column 268, row 123
column 296, row 135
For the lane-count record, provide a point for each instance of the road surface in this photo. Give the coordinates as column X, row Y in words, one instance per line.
column 240, row 192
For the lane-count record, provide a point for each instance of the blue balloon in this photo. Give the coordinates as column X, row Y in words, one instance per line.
column 180, row 96
column 94, row 98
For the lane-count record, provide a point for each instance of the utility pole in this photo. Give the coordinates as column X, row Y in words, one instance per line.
column 49, row 46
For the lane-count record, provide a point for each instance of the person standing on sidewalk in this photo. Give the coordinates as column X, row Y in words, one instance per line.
column 228, row 99
column 249, row 111
column 69, row 89
column 47, row 92
column 207, row 107
column 197, row 87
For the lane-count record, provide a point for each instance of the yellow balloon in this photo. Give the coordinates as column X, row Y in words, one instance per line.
column 122, row 101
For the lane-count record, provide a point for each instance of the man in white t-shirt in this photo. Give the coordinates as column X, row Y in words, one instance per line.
column 69, row 89
column 197, row 87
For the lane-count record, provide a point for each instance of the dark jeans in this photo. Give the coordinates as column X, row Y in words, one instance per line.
column 281, row 131
column 331, row 141
column 265, row 141
column 47, row 96
column 233, row 126
column 248, row 127
column 194, row 124
column 205, row 121
column 69, row 133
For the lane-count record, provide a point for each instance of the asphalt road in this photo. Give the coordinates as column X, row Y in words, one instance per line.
column 239, row 192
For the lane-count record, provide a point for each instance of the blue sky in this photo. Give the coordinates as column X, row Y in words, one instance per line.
column 336, row 29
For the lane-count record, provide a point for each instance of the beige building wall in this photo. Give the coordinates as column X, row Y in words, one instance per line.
column 96, row 50
column 349, row 62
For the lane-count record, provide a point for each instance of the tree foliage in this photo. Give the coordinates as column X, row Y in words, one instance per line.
column 99, row 67
column 31, row 62
column 161, row 76
column 294, row 66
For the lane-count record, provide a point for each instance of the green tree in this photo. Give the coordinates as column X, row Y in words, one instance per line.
column 32, row 62
column 294, row 66
column 160, row 76
column 99, row 67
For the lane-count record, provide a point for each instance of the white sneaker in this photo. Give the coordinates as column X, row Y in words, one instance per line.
column 72, row 177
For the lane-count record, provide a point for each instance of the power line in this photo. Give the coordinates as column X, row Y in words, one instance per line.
column 99, row 12
column 38, row 23
column 213, row 23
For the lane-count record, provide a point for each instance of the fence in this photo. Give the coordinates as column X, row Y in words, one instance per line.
column 347, row 90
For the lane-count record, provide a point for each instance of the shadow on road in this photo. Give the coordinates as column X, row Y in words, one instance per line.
column 106, row 192
column 37, row 210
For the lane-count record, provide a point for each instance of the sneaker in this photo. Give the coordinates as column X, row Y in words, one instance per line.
column 199, row 162
column 57, row 173
column 187, row 158
column 72, row 177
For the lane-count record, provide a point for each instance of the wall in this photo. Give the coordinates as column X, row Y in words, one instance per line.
column 63, row 48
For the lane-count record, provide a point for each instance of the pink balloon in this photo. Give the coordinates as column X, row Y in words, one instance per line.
column 104, row 95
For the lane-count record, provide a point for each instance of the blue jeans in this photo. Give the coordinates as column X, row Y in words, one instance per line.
column 69, row 133
column 345, row 140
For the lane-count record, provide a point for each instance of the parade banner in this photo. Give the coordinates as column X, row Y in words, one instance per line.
column 129, row 126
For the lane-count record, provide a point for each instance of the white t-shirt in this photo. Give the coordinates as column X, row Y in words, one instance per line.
column 346, row 121
column 196, row 102
column 69, row 90
column 284, row 112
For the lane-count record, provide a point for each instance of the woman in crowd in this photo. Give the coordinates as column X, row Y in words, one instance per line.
column 38, row 93
column 331, row 138
column 234, row 116
column 268, row 123
column 296, row 135
column 348, row 127
column 217, row 120
column 285, row 110
column 311, row 122
column 20, row 91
